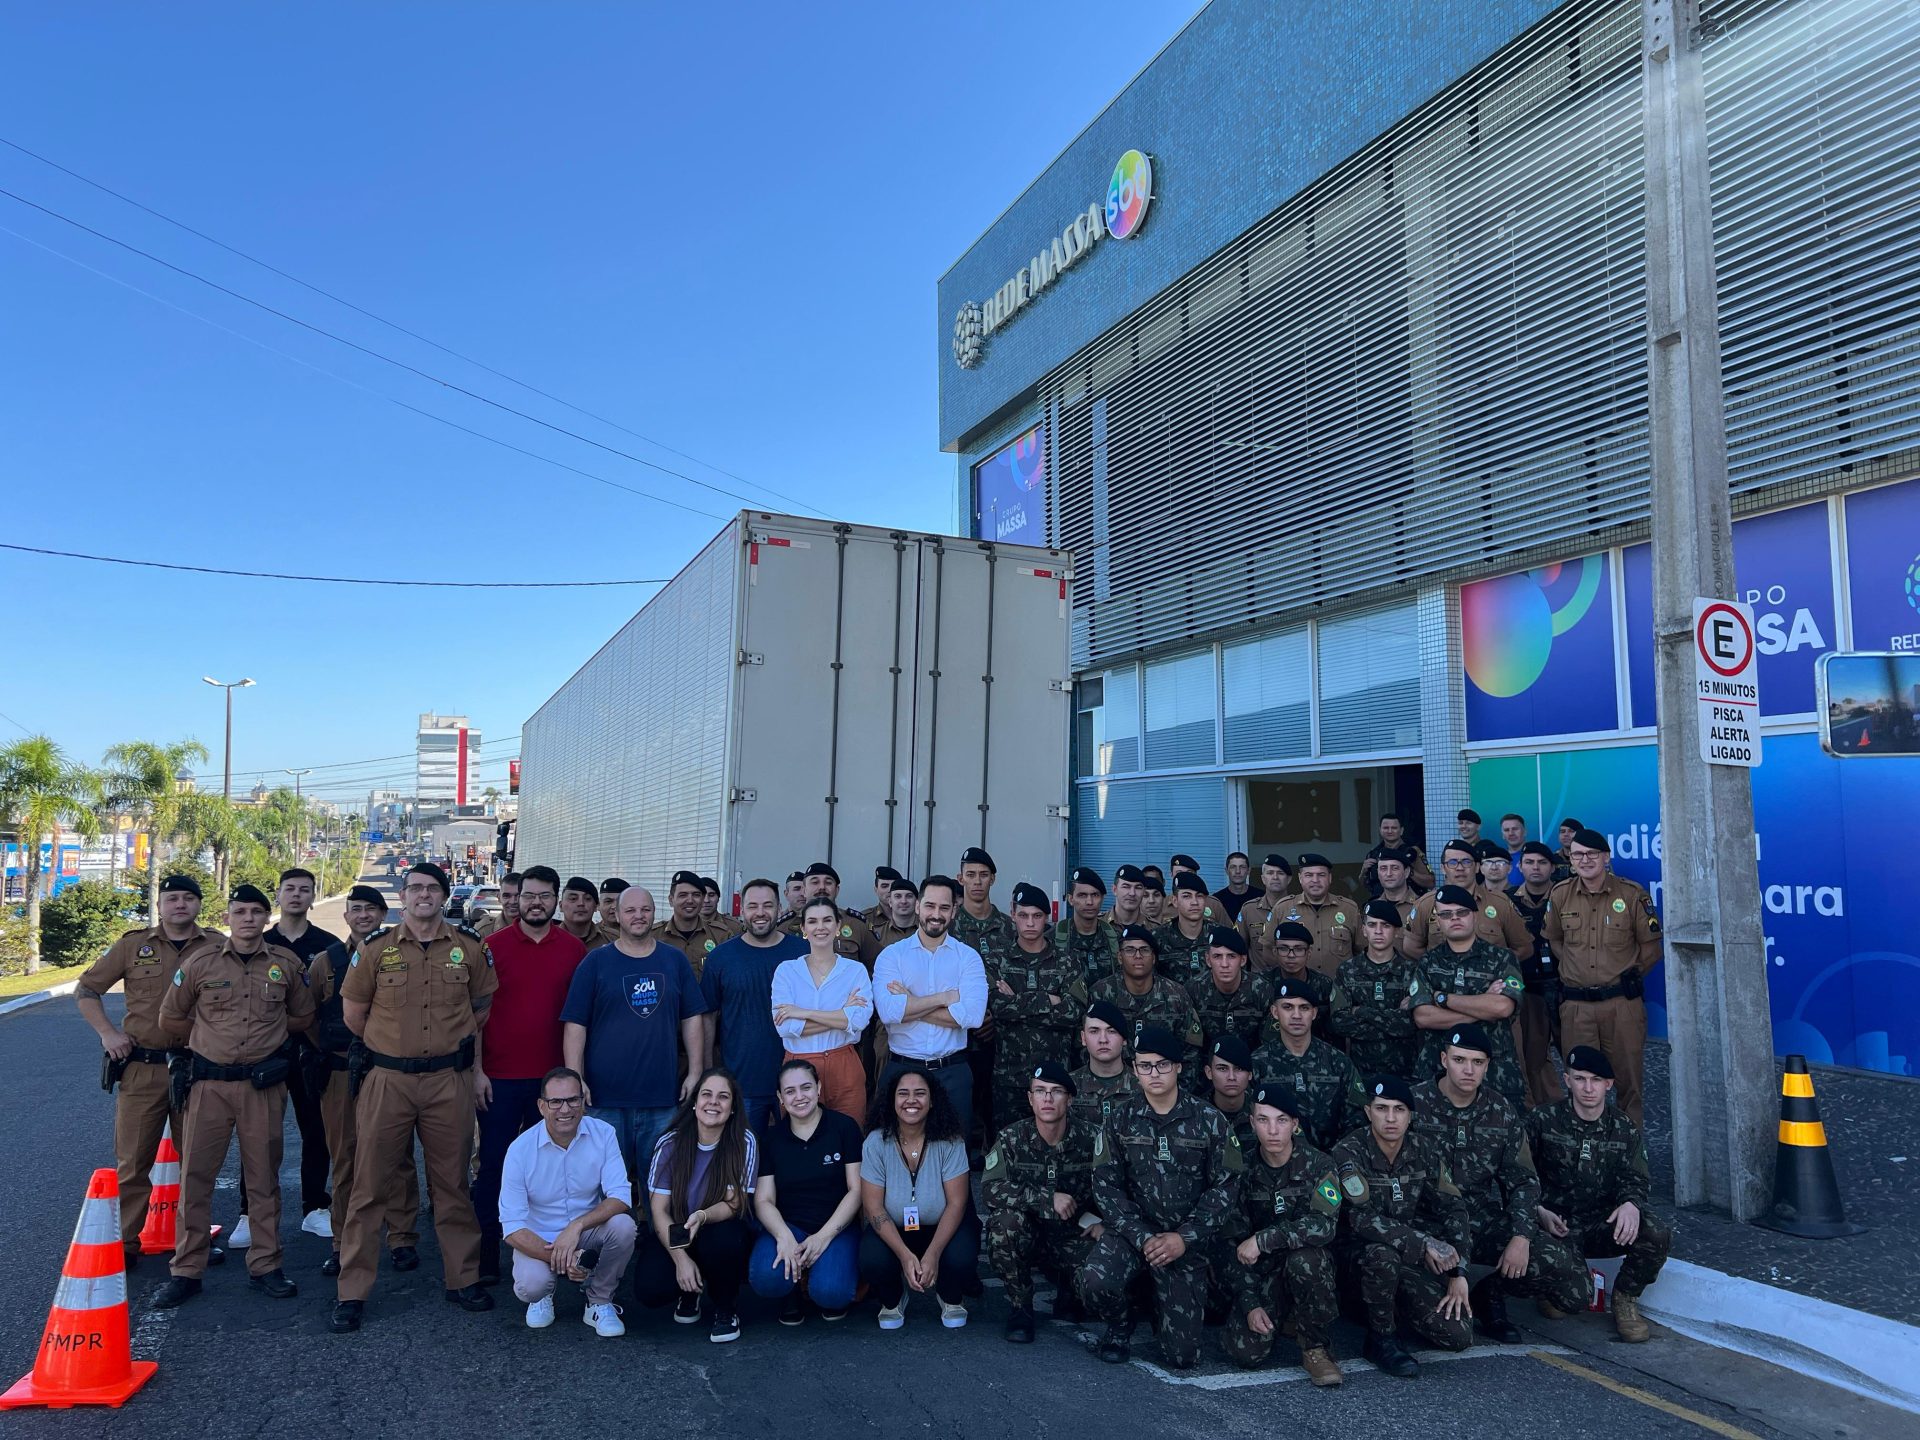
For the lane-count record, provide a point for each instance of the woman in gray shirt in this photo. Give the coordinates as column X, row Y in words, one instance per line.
column 921, row 1232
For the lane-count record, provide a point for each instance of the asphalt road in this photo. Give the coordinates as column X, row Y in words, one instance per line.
column 236, row 1364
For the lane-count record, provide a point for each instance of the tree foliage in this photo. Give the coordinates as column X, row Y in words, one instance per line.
column 80, row 922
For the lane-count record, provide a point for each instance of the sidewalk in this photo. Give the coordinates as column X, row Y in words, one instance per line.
column 1873, row 1132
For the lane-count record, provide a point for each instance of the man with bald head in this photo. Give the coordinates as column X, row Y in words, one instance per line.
column 631, row 1009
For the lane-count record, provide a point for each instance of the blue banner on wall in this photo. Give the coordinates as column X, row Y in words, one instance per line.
column 1538, row 649
column 1010, row 492
column 1883, row 567
column 1843, row 960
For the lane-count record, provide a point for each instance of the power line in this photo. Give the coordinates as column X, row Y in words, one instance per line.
column 390, row 324
column 15, row 723
column 334, row 579
column 369, row 760
column 366, row 389
column 374, row 354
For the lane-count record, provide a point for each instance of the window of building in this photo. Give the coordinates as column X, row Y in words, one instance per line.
column 1370, row 681
column 1267, row 686
column 1182, row 703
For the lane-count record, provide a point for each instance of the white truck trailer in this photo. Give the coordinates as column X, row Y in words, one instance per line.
column 808, row 690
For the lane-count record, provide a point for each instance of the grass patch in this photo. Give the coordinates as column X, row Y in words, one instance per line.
column 47, row 976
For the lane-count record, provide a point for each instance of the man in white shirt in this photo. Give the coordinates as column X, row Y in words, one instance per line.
column 930, row 990
column 566, row 1206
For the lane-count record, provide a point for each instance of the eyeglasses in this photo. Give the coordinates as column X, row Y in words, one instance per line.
column 526, row 895
column 1152, row 1067
column 562, row 1102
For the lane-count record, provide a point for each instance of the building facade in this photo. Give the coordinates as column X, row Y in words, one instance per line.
column 446, row 753
column 1343, row 414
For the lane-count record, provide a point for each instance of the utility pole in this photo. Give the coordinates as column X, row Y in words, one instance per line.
column 226, row 783
column 1719, row 1026
column 299, row 808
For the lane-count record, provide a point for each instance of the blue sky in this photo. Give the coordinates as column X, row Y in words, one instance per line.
column 717, row 226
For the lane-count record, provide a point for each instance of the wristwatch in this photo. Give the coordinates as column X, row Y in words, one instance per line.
column 1440, row 998
column 1458, row 1272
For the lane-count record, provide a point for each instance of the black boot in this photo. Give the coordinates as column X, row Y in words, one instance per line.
column 1114, row 1346
column 470, row 1297
column 404, row 1257
column 177, row 1291
column 331, row 1265
column 1020, row 1326
column 1490, row 1313
column 346, row 1316
column 1389, row 1355
column 274, row 1283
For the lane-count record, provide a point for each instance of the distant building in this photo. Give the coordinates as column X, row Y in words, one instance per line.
column 446, row 754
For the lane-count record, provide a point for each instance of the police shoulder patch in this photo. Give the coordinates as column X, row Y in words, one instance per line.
column 1355, row 1185
column 354, row 963
column 179, row 977
column 276, row 974
column 1339, row 917
column 1492, row 914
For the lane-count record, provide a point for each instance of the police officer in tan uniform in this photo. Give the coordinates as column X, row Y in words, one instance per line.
column 1276, row 883
column 578, row 897
column 685, row 928
column 1495, row 920
column 142, row 961
column 1333, row 920
column 1605, row 938
column 236, row 1005
column 416, row 995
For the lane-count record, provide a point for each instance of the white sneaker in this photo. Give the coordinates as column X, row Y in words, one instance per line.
column 242, row 1235
column 540, row 1314
column 954, row 1317
column 319, row 1222
column 605, row 1319
column 894, row 1318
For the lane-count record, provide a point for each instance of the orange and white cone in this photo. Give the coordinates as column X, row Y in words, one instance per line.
column 157, row 1236
column 85, row 1352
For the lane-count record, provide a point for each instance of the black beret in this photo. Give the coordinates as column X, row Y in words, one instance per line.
column 1132, row 874
column 1390, row 1087
column 1227, row 938
column 580, row 885
column 1314, row 858
column 709, row 884
column 1295, row 990
column 1233, row 1050
column 1158, row 1040
column 1454, row 895
column 1280, row 1097
column 974, row 855
column 1033, row 895
column 1108, row 1013
column 1490, row 850
column 249, row 895
column 1188, row 880
column 1592, row 840
column 1052, row 1072
column 1585, row 1057
column 1395, row 852
column 886, row 873
column 1473, row 815
column 1293, row 930
column 435, row 874
column 1084, row 876
column 1468, row 848
column 818, row 867
column 1279, row 862
column 1571, row 824
column 793, row 875
column 1384, row 910
column 1536, row 847
column 1155, row 885
column 1141, row 933
column 904, row 884
column 184, row 883
column 613, row 885
column 1186, row 860
column 1470, row 1036
column 367, row 895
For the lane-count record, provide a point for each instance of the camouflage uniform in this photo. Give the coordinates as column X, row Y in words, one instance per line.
column 1442, row 970
column 1182, row 960
column 1291, row 1212
column 1492, row 1166
column 1240, row 1121
column 1095, row 1097
column 1328, row 1087
column 1587, row 1169
column 1023, row 1229
column 1165, row 1003
column 1392, row 1208
column 1326, row 997
column 1098, row 953
column 1028, row 1027
column 1243, row 1013
column 993, row 937
column 1376, row 1023
column 1154, row 1173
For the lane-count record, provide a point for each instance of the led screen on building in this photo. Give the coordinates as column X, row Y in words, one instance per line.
column 1010, row 492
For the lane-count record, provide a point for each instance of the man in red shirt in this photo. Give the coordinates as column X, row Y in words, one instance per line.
column 534, row 960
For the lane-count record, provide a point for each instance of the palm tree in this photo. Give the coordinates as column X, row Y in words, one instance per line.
column 145, row 777
column 209, row 822
column 40, row 791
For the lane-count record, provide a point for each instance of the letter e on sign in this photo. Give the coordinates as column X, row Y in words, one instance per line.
column 1726, row 683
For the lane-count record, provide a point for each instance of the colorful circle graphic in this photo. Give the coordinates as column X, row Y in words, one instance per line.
column 1129, row 193
column 1508, row 624
column 1913, row 583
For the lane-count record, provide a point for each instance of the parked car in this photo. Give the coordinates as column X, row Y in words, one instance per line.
column 485, row 900
column 456, row 906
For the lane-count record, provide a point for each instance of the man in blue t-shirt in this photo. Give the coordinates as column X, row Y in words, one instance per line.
column 738, row 986
column 632, row 1007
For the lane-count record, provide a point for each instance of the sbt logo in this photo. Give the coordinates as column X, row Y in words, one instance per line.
column 1774, row 633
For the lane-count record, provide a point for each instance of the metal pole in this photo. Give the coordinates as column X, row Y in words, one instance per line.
column 226, row 782
column 1718, row 1022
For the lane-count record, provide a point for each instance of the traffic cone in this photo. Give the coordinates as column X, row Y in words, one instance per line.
column 85, row 1357
column 163, row 1206
column 1806, row 1197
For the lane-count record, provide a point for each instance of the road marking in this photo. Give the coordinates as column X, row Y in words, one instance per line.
column 1556, row 1359
column 1288, row 1374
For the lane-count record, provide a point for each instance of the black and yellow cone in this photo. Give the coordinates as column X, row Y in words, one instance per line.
column 1806, row 1197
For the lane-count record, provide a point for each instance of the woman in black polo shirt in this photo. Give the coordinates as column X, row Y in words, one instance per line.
column 807, row 1198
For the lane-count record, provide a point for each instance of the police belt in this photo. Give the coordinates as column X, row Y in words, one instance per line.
column 1592, row 994
column 334, row 1061
column 205, row 1069
column 458, row 1060
column 149, row 1057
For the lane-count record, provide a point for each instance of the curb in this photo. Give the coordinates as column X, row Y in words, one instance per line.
column 21, row 1002
column 1796, row 1332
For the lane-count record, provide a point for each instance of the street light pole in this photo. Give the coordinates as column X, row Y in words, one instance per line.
column 226, row 783
column 299, row 817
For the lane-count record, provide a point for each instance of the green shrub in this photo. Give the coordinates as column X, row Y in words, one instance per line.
column 80, row 922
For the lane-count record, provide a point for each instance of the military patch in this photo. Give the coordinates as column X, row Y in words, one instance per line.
column 1279, row 1204
column 1100, row 1137
column 390, row 952
column 710, row 943
column 1619, row 906
column 146, row 952
column 355, row 961
column 389, row 962
column 1165, row 1157
column 846, row 933
column 1330, row 1193
column 456, row 956
column 1492, row 914
column 1355, row 1185
column 179, row 977
column 1339, row 917
column 276, row 974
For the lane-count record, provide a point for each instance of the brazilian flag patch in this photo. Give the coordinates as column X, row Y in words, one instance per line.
column 1330, row 1192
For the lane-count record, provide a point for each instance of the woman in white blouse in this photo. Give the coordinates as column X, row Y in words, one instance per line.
column 820, row 1005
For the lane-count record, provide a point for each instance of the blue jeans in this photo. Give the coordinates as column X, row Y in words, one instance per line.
column 831, row 1280
column 514, row 1108
column 638, row 1131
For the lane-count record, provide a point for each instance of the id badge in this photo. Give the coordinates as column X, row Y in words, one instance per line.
column 910, row 1218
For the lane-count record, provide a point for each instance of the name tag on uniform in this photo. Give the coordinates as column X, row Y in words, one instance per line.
column 392, row 961
column 910, row 1218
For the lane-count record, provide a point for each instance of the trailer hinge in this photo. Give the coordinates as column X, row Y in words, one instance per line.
column 736, row 795
column 751, row 657
column 1059, row 687
column 832, row 799
column 1058, row 812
